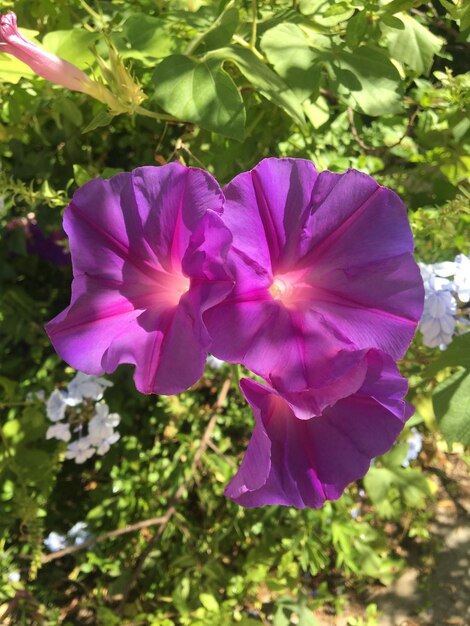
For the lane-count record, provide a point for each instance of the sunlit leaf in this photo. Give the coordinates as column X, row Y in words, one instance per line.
column 202, row 93
column 451, row 402
column 414, row 46
column 367, row 80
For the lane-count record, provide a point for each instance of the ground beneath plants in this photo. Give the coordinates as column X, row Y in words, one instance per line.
column 436, row 593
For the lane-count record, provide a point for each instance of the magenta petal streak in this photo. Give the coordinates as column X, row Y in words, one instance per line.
column 148, row 252
column 323, row 263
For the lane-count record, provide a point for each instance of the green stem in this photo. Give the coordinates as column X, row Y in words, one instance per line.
column 236, row 375
column 7, row 405
column 156, row 116
column 254, row 24
column 194, row 43
column 242, row 42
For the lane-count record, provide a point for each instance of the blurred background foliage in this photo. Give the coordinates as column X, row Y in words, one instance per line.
column 379, row 86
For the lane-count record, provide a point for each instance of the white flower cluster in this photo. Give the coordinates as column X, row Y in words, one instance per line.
column 445, row 285
column 79, row 405
column 77, row 535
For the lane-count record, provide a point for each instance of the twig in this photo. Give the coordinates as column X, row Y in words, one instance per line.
column 254, row 9
column 153, row 521
column 409, row 126
column 245, row 44
column 378, row 149
column 180, row 145
column 355, row 134
column 219, row 452
column 179, row 492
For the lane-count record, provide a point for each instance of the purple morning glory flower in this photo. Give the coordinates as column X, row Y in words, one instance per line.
column 323, row 265
column 148, row 250
column 303, row 462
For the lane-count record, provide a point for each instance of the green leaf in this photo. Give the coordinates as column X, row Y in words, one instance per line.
column 71, row 45
column 392, row 21
column 326, row 13
column 465, row 17
column 9, row 387
column 356, row 29
column 288, row 51
column 200, row 92
column 396, row 456
column 414, row 46
column 11, row 70
column 223, row 30
column 451, row 403
column 306, row 617
column 384, row 483
column 12, row 428
column 398, row 5
column 103, row 118
column 34, row 462
column 264, row 79
column 317, row 112
column 148, row 38
column 281, row 617
column 209, row 602
column 367, row 80
column 120, row 584
column 80, row 174
column 457, row 354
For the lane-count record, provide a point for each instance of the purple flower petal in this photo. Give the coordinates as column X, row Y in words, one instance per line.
column 148, row 251
column 322, row 263
column 303, row 462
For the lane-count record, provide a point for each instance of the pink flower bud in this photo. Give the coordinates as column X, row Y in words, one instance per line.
column 44, row 64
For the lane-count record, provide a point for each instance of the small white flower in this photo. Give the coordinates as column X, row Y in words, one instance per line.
column 55, row 542
column 462, row 277
column 105, row 444
column 444, row 269
column 427, row 273
column 86, row 386
column 214, row 362
column 79, row 533
column 102, row 413
column 438, row 321
column 80, row 450
column 415, row 443
column 101, row 425
column 14, row 577
column 56, row 406
column 435, row 275
column 59, row 431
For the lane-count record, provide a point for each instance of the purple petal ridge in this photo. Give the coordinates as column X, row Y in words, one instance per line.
column 148, row 253
column 323, row 264
column 303, row 462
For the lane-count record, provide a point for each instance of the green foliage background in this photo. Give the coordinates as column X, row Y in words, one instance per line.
column 378, row 86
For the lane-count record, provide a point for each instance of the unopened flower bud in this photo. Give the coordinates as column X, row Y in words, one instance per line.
column 44, row 64
column 47, row 65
